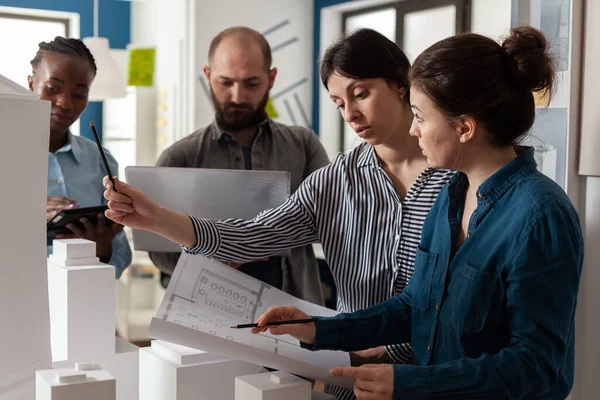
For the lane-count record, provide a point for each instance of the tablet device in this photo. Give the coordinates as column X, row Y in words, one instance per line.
column 58, row 223
column 209, row 193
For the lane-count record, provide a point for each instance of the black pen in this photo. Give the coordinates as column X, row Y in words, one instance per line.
column 274, row 323
column 101, row 150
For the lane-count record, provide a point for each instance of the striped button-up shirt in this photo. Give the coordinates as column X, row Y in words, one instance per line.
column 369, row 235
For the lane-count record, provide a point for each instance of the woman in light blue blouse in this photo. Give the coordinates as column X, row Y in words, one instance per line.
column 62, row 73
column 490, row 309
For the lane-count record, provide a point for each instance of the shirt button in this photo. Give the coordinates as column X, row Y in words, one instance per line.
column 437, row 307
column 479, row 195
column 59, row 181
column 397, row 237
column 429, row 348
column 468, row 234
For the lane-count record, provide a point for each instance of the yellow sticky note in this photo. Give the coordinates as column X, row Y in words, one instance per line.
column 270, row 109
column 141, row 67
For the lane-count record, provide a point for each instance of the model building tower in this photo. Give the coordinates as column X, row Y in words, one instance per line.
column 25, row 332
column 82, row 315
column 172, row 372
column 82, row 302
column 277, row 385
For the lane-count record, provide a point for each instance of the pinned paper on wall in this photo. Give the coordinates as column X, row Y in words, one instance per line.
column 270, row 109
column 541, row 98
column 141, row 67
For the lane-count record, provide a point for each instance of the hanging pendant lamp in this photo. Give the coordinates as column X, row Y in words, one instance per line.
column 109, row 81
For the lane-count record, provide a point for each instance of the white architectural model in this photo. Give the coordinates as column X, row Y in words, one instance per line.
column 82, row 313
column 82, row 302
column 172, row 372
column 85, row 381
column 25, row 331
column 122, row 363
column 276, row 385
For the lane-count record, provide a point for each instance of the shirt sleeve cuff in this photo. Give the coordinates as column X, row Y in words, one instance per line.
column 121, row 254
column 410, row 382
column 208, row 238
column 327, row 334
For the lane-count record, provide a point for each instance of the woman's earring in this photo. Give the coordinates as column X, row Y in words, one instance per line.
column 399, row 92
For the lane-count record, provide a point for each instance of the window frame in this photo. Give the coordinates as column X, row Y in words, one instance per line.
column 66, row 21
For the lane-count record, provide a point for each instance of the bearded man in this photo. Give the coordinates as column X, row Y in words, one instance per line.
column 243, row 137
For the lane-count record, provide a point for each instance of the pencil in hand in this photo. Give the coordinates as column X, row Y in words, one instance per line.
column 102, row 155
column 274, row 323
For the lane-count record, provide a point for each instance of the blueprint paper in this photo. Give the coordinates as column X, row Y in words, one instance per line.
column 205, row 298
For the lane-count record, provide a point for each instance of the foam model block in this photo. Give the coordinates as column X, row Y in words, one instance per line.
column 85, row 381
column 71, row 249
column 122, row 364
column 25, row 323
column 172, row 372
column 82, row 303
column 276, row 385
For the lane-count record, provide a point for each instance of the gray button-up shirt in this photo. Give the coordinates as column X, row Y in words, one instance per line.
column 276, row 147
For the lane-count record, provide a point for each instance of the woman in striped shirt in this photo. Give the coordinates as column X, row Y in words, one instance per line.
column 366, row 208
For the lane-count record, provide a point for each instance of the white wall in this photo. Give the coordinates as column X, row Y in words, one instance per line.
column 144, row 18
column 167, row 25
column 490, row 18
column 293, row 61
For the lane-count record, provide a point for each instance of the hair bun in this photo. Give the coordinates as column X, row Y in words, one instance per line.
column 530, row 64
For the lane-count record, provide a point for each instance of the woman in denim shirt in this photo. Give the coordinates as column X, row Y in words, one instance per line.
column 490, row 309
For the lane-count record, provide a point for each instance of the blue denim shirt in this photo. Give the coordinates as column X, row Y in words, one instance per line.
column 495, row 319
column 76, row 171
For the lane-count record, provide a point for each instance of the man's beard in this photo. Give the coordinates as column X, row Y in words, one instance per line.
column 234, row 117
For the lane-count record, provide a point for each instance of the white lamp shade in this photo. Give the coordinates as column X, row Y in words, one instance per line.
column 110, row 81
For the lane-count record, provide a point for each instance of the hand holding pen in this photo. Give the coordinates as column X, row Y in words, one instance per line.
column 303, row 331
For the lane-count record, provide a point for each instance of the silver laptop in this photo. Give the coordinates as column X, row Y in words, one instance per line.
column 208, row 193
